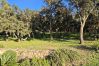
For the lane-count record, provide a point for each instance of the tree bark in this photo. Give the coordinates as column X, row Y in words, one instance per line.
column 6, row 36
column 51, row 37
column 81, row 34
column 82, row 31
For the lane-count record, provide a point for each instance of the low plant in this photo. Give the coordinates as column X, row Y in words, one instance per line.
column 8, row 58
column 26, row 62
column 62, row 56
column 39, row 62
column 92, row 60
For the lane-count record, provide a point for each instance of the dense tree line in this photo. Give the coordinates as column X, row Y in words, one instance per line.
column 55, row 17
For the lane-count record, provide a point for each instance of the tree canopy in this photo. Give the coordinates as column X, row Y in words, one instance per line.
column 80, row 16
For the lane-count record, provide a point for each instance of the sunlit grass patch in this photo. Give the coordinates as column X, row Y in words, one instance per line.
column 42, row 44
column 38, row 44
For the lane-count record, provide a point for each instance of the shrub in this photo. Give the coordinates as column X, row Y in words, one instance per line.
column 39, row 62
column 92, row 60
column 34, row 62
column 8, row 58
column 57, row 58
column 62, row 56
column 26, row 62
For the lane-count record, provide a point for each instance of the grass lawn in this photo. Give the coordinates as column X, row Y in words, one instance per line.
column 41, row 44
column 37, row 44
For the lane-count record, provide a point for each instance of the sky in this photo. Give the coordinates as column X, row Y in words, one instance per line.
column 31, row 4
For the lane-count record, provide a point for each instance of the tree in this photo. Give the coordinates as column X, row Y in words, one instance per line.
column 50, row 13
column 84, row 9
column 6, row 12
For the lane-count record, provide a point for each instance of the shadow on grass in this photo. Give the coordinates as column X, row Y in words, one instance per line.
column 1, row 38
column 61, row 37
column 84, row 47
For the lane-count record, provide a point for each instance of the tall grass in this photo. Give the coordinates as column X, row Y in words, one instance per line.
column 59, row 57
column 62, row 56
column 39, row 62
column 92, row 60
column 8, row 58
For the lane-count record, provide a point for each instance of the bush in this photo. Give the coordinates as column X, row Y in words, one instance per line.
column 62, row 56
column 57, row 58
column 8, row 58
column 34, row 62
column 39, row 62
column 92, row 60
column 26, row 62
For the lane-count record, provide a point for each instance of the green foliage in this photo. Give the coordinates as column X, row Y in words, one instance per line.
column 34, row 62
column 26, row 62
column 95, row 46
column 62, row 56
column 8, row 58
column 92, row 60
column 39, row 62
column 55, row 17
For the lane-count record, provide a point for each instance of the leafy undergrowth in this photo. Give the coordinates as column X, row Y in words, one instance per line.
column 66, row 53
column 63, row 57
column 8, row 58
column 92, row 59
column 59, row 57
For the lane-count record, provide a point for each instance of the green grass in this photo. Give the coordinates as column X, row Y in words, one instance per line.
column 42, row 44
column 87, row 57
column 38, row 44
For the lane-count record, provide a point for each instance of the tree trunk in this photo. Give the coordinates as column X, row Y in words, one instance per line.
column 51, row 37
column 18, row 37
column 6, row 36
column 33, row 35
column 82, row 31
column 81, row 34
